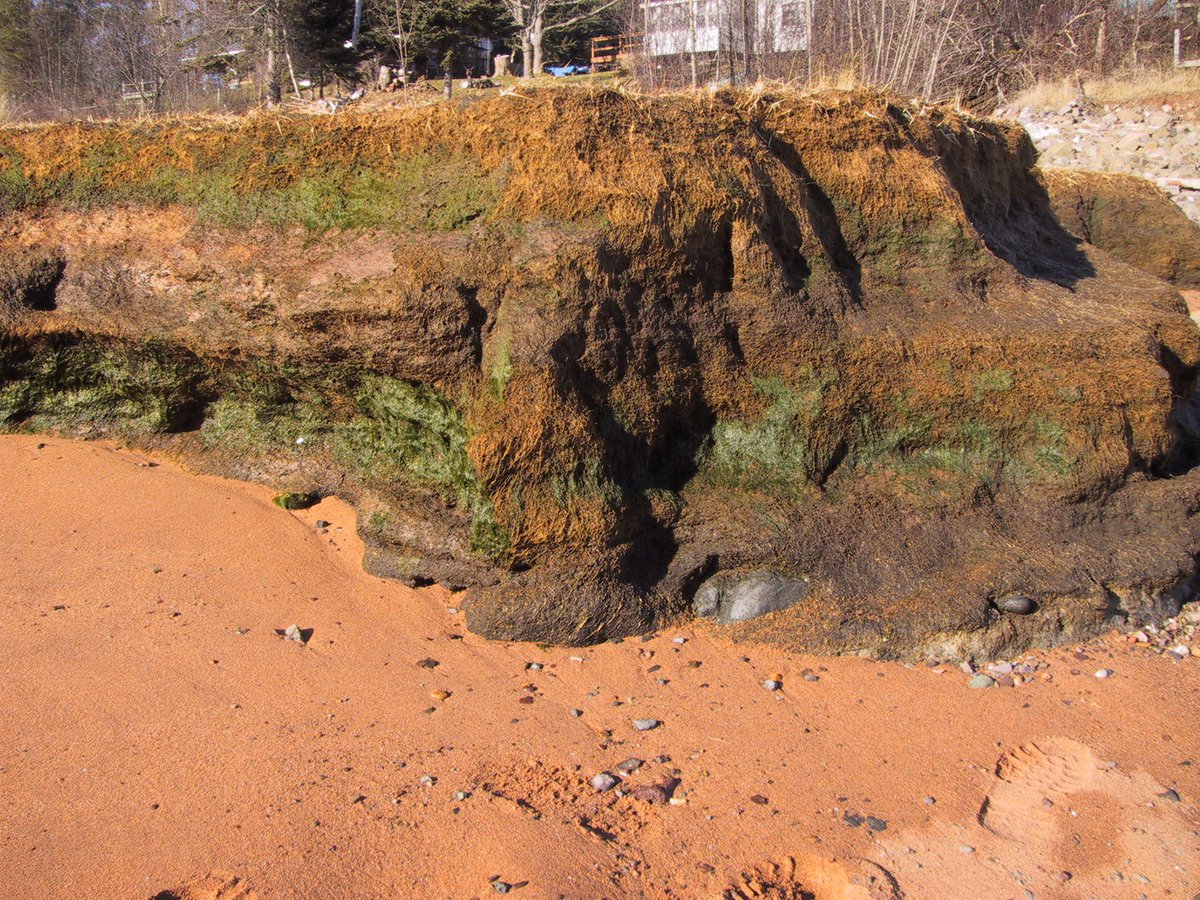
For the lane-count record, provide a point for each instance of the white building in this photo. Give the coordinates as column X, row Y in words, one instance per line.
column 677, row 27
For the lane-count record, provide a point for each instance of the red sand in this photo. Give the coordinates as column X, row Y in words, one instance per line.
column 156, row 733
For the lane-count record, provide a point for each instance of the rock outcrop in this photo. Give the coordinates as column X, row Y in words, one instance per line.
column 583, row 353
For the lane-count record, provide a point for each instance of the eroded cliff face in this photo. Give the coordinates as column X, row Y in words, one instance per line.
column 584, row 354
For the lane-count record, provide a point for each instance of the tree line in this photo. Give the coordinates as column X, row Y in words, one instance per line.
column 62, row 58
column 65, row 58
column 977, row 51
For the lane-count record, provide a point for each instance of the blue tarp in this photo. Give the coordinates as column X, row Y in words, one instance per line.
column 560, row 71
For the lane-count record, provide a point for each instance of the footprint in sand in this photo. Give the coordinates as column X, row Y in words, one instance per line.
column 1031, row 781
column 815, row 879
column 213, row 886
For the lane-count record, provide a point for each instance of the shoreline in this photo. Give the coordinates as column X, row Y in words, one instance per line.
column 152, row 744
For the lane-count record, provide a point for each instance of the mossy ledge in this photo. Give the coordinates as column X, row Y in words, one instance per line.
column 579, row 353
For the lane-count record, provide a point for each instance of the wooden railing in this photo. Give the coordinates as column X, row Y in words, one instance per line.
column 608, row 49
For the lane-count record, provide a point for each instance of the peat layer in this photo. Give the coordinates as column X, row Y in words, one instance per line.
column 603, row 360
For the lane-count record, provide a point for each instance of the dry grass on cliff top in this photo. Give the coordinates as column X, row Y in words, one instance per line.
column 1141, row 87
column 567, row 155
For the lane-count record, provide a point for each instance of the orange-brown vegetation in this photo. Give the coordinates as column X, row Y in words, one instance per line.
column 580, row 351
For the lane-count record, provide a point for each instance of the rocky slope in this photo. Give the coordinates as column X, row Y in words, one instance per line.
column 1160, row 143
column 600, row 358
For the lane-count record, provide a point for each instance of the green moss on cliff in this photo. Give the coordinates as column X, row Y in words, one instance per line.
column 771, row 453
column 140, row 389
column 420, row 192
column 412, row 433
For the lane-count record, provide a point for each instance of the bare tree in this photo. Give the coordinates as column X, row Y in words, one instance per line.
column 537, row 18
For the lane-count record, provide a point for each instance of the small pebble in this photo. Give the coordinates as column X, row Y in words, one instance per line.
column 321, row 523
column 771, row 685
column 965, row 849
column 629, row 766
column 679, row 640
column 759, row 799
column 810, row 677
column 439, row 695
column 461, row 795
column 646, row 724
column 605, row 781
column 1103, row 673
column 501, row 887
column 1170, row 794
column 576, row 713
column 427, row 780
column 533, row 667
column 981, row 681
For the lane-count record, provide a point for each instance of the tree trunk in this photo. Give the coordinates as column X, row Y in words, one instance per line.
column 526, row 55
column 692, row 26
column 274, row 85
column 536, row 34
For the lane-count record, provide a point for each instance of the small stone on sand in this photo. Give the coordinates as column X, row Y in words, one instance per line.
column 604, row 781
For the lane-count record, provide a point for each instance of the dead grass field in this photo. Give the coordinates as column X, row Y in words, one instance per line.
column 1141, row 87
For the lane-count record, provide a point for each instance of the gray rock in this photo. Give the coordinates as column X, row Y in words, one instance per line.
column 772, row 685
column 737, row 597
column 1015, row 603
column 646, row 724
column 981, row 681
column 629, row 766
column 1131, row 142
column 576, row 713
column 605, row 781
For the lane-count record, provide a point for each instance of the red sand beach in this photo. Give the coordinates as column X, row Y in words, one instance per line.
column 158, row 735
